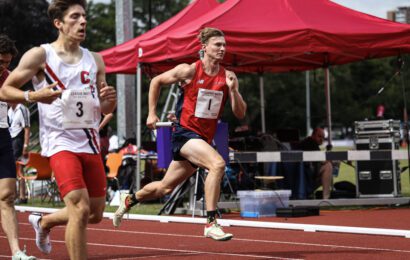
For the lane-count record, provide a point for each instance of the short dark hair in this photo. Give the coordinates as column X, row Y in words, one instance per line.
column 209, row 32
column 57, row 8
column 7, row 45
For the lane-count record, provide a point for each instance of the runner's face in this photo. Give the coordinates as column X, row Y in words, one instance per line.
column 5, row 60
column 74, row 23
column 216, row 47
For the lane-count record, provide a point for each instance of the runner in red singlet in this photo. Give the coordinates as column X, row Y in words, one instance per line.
column 206, row 88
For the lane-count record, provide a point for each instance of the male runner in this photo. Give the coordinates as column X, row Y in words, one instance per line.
column 206, row 88
column 71, row 80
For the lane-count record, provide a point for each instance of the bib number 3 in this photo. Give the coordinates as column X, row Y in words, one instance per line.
column 79, row 109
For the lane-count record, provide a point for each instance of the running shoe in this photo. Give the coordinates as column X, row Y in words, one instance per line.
column 42, row 235
column 122, row 209
column 215, row 231
column 21, row 255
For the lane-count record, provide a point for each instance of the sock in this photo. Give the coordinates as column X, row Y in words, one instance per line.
column 211, row 216
column 132, row 200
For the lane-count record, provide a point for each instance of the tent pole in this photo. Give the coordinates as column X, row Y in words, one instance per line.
column 328, row 106
column 262, row 99
column 138, row 137
column 308, row 123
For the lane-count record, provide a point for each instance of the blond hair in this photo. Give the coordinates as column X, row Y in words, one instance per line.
column 209, row 32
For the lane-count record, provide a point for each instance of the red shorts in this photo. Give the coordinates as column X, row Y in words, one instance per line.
column 74, row 171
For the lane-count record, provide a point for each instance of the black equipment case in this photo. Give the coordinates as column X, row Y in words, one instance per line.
column 377, row 178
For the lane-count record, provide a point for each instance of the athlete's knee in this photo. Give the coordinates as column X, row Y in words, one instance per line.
column 95, row 217
column 80, row 213
column 7, row 198
column 217, row 167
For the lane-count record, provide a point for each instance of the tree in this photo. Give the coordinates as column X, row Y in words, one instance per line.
column 27, row 23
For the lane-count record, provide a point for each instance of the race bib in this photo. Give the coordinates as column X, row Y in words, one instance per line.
column 208, row 103
column 3, row 115
column 79, row 109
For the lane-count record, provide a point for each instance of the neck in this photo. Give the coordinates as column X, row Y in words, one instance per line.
column 210, row 66
column 66, row 45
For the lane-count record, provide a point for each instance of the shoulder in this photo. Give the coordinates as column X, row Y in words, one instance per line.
column 184, row 70
column 35, row 53
column 230, row 73
column 98, row 60
column 97, row 56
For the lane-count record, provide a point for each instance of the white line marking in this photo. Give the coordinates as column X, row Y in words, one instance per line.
column 170, row 250
column 253, row 240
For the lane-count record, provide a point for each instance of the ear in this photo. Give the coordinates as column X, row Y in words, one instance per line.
column 57, row 23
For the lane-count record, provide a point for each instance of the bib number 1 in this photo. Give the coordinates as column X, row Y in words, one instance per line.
column 208, row 103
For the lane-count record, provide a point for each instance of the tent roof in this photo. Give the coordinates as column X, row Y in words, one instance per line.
column 282, row 35
column 123, row 58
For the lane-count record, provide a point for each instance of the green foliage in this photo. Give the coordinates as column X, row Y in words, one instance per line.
column 27, row 23
column 100, row 26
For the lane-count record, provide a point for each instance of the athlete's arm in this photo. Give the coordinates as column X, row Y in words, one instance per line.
column 30, row 64
column 237, row 102
column 107, row 94
column 181, row 72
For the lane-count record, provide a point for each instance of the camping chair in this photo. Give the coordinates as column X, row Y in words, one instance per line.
column 42, row 172
column 113, row 163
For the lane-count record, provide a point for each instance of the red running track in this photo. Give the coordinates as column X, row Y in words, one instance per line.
column 149, row 239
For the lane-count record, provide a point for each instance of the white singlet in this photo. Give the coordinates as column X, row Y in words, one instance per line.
column 78, row 81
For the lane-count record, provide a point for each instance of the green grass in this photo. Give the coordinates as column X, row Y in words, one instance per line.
column 145, row 209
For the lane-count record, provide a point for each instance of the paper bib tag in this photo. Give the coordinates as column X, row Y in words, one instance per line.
column 208, row 103
column 79, row 109
column 3, row 115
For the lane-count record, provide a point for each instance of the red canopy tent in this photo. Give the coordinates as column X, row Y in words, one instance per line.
column 123, row 58
column 272, row 36
column 283, row 35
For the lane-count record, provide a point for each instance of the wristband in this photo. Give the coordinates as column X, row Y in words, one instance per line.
column 26, row 96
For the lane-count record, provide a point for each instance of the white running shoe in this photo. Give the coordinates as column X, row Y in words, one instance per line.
column 21, row 255
column 215, row 231
column 42, row 235
column 122, row 209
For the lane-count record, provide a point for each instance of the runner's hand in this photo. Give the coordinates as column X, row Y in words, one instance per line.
column 231, row 81
column 46, row 95
column 108, row 93
column 151, row 121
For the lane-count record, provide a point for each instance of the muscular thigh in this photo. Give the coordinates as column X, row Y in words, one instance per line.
column 200, row 153
column 177, row 172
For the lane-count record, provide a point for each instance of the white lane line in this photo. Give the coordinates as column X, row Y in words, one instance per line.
column 254, row 240
column 172, row 250
column 255, row 224
column 249, row 240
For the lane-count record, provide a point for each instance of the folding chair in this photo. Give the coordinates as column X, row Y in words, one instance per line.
column 114, row 161
column 43, row 172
